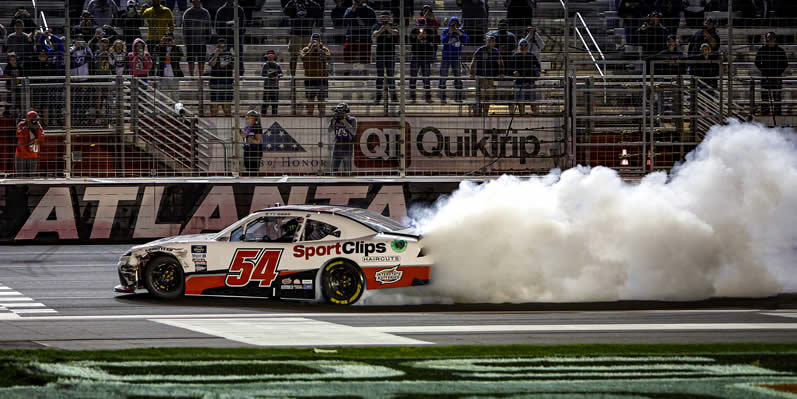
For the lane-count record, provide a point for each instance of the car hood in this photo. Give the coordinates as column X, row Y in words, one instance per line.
column 180, row 239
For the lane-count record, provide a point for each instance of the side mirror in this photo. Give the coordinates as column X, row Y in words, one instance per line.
column 336, row 233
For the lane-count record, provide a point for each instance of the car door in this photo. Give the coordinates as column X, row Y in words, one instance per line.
column 250, row 259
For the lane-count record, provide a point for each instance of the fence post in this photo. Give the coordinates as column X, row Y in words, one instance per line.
column 201, row 87
column 293, row 95
column 752, row 99
column 193, row 143
column 119, row 125
column 730, row 58
column 67, row 97
column 693, row 105
column 134, row 107
column 402, row 91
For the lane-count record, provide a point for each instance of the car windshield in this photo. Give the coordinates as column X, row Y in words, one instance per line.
column 374, row 220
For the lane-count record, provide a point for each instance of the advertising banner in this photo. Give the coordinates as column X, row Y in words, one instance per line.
column 141, row 212
column 435, row 145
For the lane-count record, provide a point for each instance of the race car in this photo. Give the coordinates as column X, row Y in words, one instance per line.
column 318, row 253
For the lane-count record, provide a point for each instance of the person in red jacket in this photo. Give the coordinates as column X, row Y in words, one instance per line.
column 29, row 136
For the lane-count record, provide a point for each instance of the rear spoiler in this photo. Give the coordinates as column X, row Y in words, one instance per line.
column 405, row 233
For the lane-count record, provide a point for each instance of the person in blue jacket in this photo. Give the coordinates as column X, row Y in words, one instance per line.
column 453, row 38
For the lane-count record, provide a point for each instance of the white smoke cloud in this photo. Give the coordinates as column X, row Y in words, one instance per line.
column 722, row 224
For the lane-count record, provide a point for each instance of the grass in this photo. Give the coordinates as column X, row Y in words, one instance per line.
column 17, row 367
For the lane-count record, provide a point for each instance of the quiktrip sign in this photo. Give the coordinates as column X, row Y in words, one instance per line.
column 302, row 145
column 126, row 212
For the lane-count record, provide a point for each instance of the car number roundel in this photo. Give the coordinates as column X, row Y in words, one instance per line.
column 253, row 265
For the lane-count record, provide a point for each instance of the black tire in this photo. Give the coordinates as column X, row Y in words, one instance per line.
column 342, row 283
column 164, row 278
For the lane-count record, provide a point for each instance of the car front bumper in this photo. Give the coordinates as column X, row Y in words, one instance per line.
column 129, row 277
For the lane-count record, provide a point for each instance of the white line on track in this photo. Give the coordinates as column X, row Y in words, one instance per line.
column 52, row 265
column 585, row 327
column 22, row 305
column 214, row 316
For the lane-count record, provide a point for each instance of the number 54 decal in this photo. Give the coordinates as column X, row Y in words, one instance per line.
column 253, row 265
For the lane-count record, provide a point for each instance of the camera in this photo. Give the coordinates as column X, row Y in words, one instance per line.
column 179, row 109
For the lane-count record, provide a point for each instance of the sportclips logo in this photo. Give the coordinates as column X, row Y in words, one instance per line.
column 492, row 143
column 377, row 145
column 358, row 247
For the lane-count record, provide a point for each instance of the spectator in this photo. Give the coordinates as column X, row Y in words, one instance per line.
column 167, row 57
column 386, row 37
column 196, row 33
column 102, row 66
column 221, row 64
column 103, row 11
column 252, row 138
column 21, row 14
column 81, row 57
column 338, row 12
column 182, row 4
column 111, row 33
column 314, row 61
column 631, row 11
column 707, row 35
column 671, row 54
column 139, row 61
column 525, row 66
column 131, row 23
column 42, row 71
column 694, row 12
column 652, row 36
column 344, row 128
column 431, row 21
column 519, row 14
column 453, row 39
column 86, row 26
column 421, row 58
column 772, row 62
column 708, row 71
column 119, row 58
column 19, row 42
column 29, row 137
column 474, row 16
column 303, row 15
column 94, row 43
column 225, row 28
column 12, row 71
column 159, row 21
column 670, row 11
column 409, row 9
column 505, row 40
column 487, row 65
column 54, row 46
column 272, row 72
column 536, row 44
column 359, row 19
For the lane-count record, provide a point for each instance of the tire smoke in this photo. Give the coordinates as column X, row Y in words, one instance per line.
column 723, row 223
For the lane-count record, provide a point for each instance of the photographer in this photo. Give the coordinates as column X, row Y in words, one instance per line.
column 29, row 136
column 314, row 62
column 344, row 127
column 422, row 44
column 386, row 37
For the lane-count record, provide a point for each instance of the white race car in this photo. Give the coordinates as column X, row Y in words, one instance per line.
column 323, row 253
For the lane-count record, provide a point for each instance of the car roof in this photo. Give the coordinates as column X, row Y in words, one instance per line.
column 351, row 213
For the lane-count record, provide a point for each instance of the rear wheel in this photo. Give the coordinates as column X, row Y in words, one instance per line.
column 342, row 283
column 164, row 278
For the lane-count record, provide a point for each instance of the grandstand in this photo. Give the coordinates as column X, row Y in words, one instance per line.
column 597, row 102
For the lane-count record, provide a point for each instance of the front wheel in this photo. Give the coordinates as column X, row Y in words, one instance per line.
column 164, row 278
column 342, row 283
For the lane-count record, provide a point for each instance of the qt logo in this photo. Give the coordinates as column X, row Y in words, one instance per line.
column 398, row 246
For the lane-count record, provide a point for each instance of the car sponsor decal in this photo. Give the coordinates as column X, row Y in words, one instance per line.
column 348, row 248
column 286, row 281
column 253, row 265
column 398, row 246
column 389, row 276
column 381, row 259
column 199, row 255
column 297, row 284
column 199, row 249
column 412, row 275
column 307, row 281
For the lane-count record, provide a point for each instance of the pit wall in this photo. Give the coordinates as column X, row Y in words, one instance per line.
column 139, row 212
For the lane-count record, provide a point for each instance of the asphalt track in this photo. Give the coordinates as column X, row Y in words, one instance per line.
column 61, row 296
